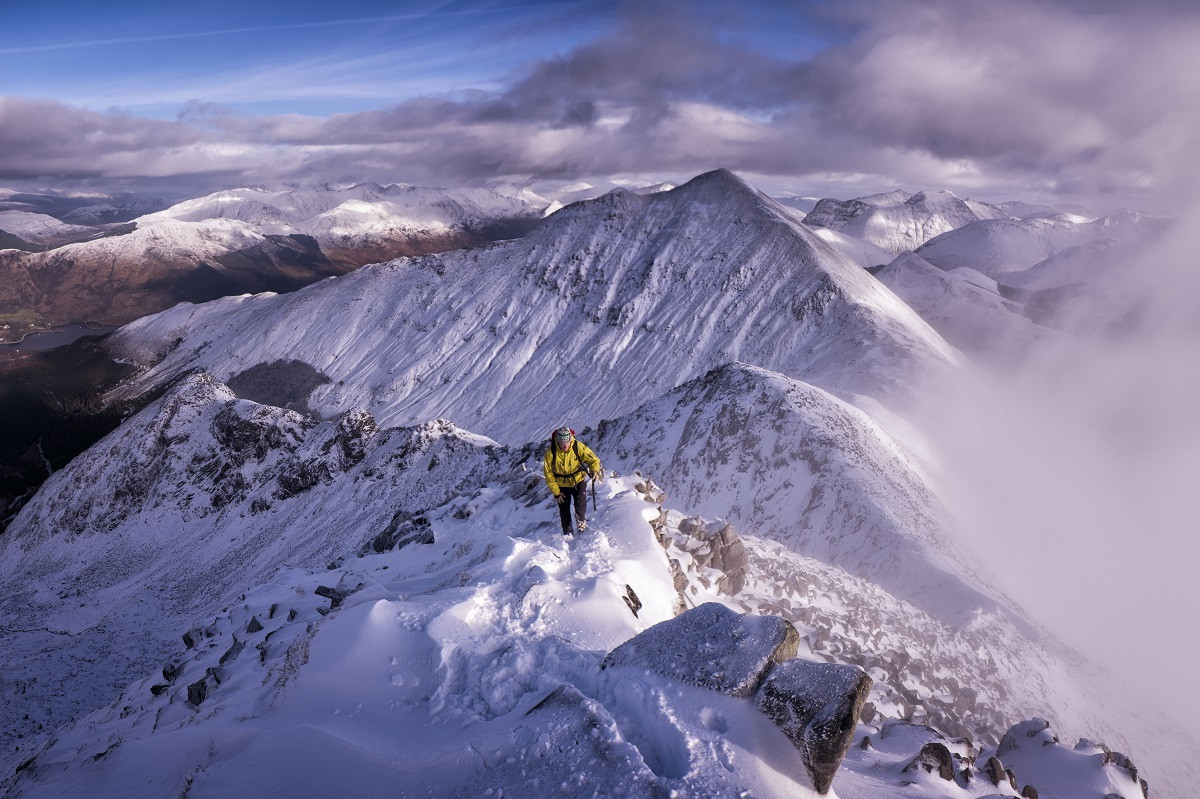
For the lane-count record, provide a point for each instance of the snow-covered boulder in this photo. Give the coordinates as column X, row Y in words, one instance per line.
column 816, row 705
column 712, row 647
column 922, row 760
column 1033, row 752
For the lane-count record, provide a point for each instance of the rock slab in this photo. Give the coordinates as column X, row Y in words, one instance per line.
column 711, row 647
column 817, row 706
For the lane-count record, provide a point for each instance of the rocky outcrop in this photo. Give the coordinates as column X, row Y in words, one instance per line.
column 816, row 705
column 1019, row 735
column 934, row 758
column 404, row 529
column 336, row 455
column 995, row 772
column 1034, row 754
column 717, row 547
column 711, row 647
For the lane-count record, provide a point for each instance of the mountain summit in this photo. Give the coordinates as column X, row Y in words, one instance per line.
column 610, row 303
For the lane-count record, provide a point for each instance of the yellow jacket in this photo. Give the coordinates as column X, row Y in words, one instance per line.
column 566, row 469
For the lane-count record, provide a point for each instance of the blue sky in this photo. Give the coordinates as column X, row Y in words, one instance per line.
column 318, row 58
column 268, row 57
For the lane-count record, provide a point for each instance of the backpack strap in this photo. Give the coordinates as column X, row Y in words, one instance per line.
column 578, row 459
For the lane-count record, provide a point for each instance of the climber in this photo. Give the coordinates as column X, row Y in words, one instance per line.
column 568, row 463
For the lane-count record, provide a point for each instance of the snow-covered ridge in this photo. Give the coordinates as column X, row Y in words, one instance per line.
column 797, row 465
column 898, row 221
column 516, row 333
column 469, row 659
column 334, row 216
column 999, row 248
column 227, row 505
column 41, row 228
column 234, row 242
column 970, row 310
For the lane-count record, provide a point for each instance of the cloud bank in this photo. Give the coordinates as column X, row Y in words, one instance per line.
column 1080, row 101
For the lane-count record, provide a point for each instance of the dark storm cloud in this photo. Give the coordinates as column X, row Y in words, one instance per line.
column 1050, row 96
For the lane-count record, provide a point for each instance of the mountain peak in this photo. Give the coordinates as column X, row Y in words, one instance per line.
column 722, row 180
column 618, row 282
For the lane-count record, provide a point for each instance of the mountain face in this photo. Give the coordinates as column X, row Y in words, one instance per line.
column 861, row 252
column 290, row 573
column 41, row 229
column 608, row 304
column 898, row 221
column 197, row 498
column 993, row 324
column 366, row 223
column 81, row 209
column 809, row 471
column 230, row 243
column 1000, row 248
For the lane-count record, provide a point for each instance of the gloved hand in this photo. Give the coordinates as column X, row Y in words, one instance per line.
column 598, row 476
column 559, row 498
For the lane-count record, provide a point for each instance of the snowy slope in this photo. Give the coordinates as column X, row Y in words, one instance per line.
column 203, row 498
column 1000, row 248
column 1021, row 209
column 863, row 253
column 608, row 304
column 215, row 510
column 356, row 218
column 199, row 497
column 795, row 464
column 289, row 211
column 971, row 682
column 41, row 229
column 471, row 663
column 968, row 309
column 237, row 241
column 204, row 502
column 119, row 278
column 75, row 208
column 183, row 241
column 898, row 221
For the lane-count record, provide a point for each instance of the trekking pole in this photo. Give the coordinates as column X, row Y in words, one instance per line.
column 593, row 495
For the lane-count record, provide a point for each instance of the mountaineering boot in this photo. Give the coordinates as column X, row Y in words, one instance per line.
column 582, row 525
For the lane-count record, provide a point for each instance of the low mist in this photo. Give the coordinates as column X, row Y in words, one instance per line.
column 1077, row 472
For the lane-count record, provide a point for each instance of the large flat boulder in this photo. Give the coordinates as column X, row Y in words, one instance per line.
column 712, row 647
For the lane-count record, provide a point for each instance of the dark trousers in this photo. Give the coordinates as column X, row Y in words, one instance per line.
column 577, row 496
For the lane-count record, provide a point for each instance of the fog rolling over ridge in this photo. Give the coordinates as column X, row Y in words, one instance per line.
column 1085, row 465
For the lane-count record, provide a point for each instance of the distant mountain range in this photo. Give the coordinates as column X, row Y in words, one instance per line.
column 88, row 264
